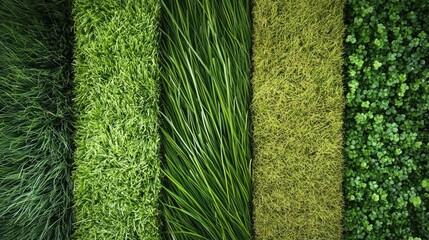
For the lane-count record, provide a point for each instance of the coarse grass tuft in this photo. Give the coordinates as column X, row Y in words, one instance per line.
column 117, row 160
column 35, row 120
column 205, row 135
column 297, row 122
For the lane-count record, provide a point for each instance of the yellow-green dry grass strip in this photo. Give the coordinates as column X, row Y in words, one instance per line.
column 117, row 165
column 35, row 120
column 297, row 111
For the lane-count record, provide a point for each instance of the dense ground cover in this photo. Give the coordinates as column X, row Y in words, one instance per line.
column 117, row 160
column 35, row 120
column 205, row 101
column 297, row 111
column 387, row 133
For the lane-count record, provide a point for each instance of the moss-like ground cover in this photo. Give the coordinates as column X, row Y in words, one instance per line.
column 387, row 130
column 205, row 102
column 297, row 111
column 35, row 120
column 117, row 160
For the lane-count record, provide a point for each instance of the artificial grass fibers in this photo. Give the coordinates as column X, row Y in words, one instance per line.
column 297, row 110
column 205, row 134
column 35, row 120
column 117, row 165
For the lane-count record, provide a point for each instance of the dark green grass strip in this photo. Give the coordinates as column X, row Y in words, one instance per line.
column 35, row 120
column 117, row 160
column 297, row 111
column 387, row 120
column 205, row 101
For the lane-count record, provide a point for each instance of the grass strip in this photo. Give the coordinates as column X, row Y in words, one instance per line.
column 35, row 120
column 297, row 108
column 387, row 130
column 205, row 134
column 117, row 164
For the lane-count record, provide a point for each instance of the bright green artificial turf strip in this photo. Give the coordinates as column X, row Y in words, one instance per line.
column 205, row 102
column 35, row 120
column 117, row 162
column 297, row 121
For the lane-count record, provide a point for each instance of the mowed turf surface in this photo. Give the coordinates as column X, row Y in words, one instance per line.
column 117, row 166
column 297, row 110
column 35, row 120
column 205, row 133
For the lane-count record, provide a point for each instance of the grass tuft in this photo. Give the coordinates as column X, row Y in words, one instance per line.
column 297, row 110
column 205, row 135
column 117, row 160
column 35, row 120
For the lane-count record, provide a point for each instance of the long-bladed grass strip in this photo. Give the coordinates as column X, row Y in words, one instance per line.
column 35, row 120
column 205, row 101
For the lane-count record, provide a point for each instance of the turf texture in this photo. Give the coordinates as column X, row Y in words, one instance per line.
column 117, row 164
column 35, row 120
column 206, row 131
column 297, row 109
